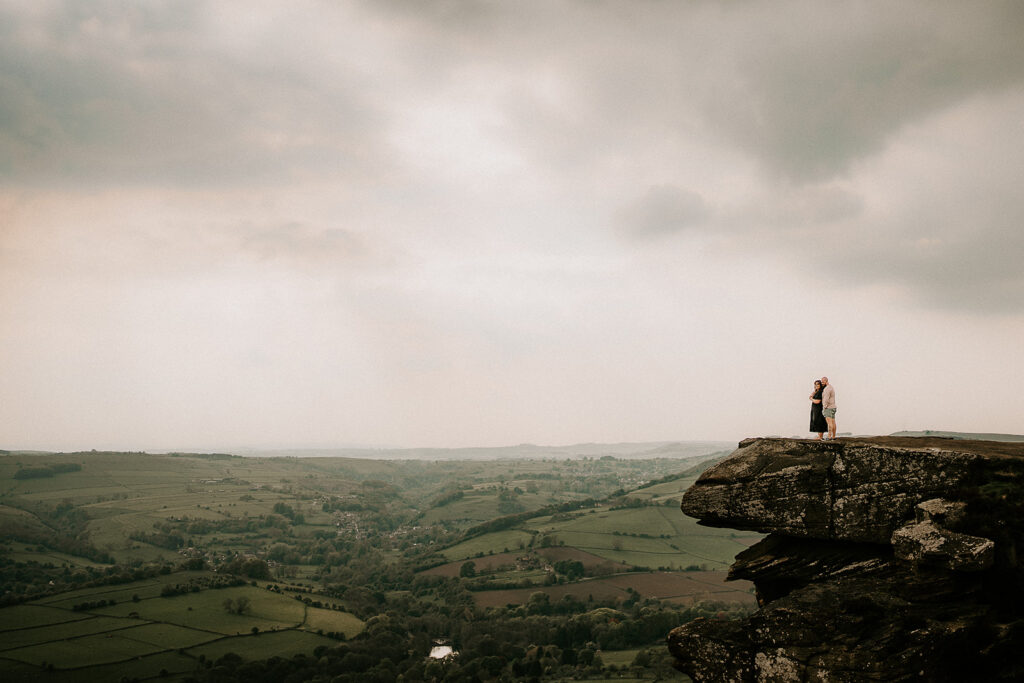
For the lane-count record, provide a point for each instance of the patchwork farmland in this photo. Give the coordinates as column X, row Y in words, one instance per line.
column 175, row 566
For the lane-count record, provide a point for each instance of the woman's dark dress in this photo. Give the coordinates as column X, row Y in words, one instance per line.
column 818, row 423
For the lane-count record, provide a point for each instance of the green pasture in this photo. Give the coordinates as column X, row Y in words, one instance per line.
column 144, row 667
column 90, row 645
column 263, row 645
column 123, row 593
column 495, row 542
column 675, row 540
column 205, row 610
column 652, row 520
column 168, row 636
column 476, row 506
column 13, row 517
column 49, row 557
column 331, row 620
column 71, row 629
column 101, row 648
column 29, row 616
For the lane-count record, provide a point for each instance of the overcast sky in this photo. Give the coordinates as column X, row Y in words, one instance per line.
column 439, row 223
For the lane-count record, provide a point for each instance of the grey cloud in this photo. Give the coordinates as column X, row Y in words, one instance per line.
column 789, row 208
column 815, row 92
column 808, row 91
column 663, row 210
column 954, row 252
column 299, row 244
column 585, row 92
column 98, row 89
column 789, row 212
column 92, row 92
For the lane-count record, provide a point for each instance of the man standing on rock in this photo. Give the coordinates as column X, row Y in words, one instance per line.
column 828, row 406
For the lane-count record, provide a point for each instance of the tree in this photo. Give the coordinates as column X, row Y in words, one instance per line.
column 538, row 603
column 571, row 569
column 240, row 605
column 467, row 570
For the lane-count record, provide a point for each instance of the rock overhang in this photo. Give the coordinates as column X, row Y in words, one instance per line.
column 877, row 565
column 856, row 490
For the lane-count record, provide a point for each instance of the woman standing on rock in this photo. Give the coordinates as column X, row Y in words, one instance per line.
column 818, row 423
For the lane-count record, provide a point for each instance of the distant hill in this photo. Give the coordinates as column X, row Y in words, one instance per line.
column 963, row 435
column 641, row 450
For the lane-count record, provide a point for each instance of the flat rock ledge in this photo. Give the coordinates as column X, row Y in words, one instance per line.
column 887, row 559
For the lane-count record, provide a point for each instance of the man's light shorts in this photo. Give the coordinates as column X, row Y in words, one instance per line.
column 829, row 412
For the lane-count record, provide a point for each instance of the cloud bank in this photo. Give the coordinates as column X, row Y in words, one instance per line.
column 445, row 222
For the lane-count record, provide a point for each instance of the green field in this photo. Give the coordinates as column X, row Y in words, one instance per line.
column 205, row 610
column 146, row 635
column 72, row 629
column 168, row 635
column 684, row 588
column 31, row 616
column 49, row 557
column 101, row 648
column 144, row 667
column 263, row 645
column 672, row 540
column 330, row 620
column 497, row 542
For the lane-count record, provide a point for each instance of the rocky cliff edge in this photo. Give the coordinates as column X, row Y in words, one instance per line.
column 887, row 559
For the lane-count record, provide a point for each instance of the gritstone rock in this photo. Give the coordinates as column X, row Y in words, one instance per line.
column 887, row 559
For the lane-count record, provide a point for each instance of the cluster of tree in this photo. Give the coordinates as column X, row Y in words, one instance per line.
column 197, row 526
column 508, row 502
column 44, row 471
column 571, row 569
column 628, row 502
column 160, row 539
column 93, row 604
column 199, row 583
column 61, row 528
column 22, row 581
column 239, row 605
column 286, row 510
column 639, row 535
column 252, row 567
column 447, row 498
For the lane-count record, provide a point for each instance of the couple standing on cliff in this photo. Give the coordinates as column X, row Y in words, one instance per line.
column 823, row 409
